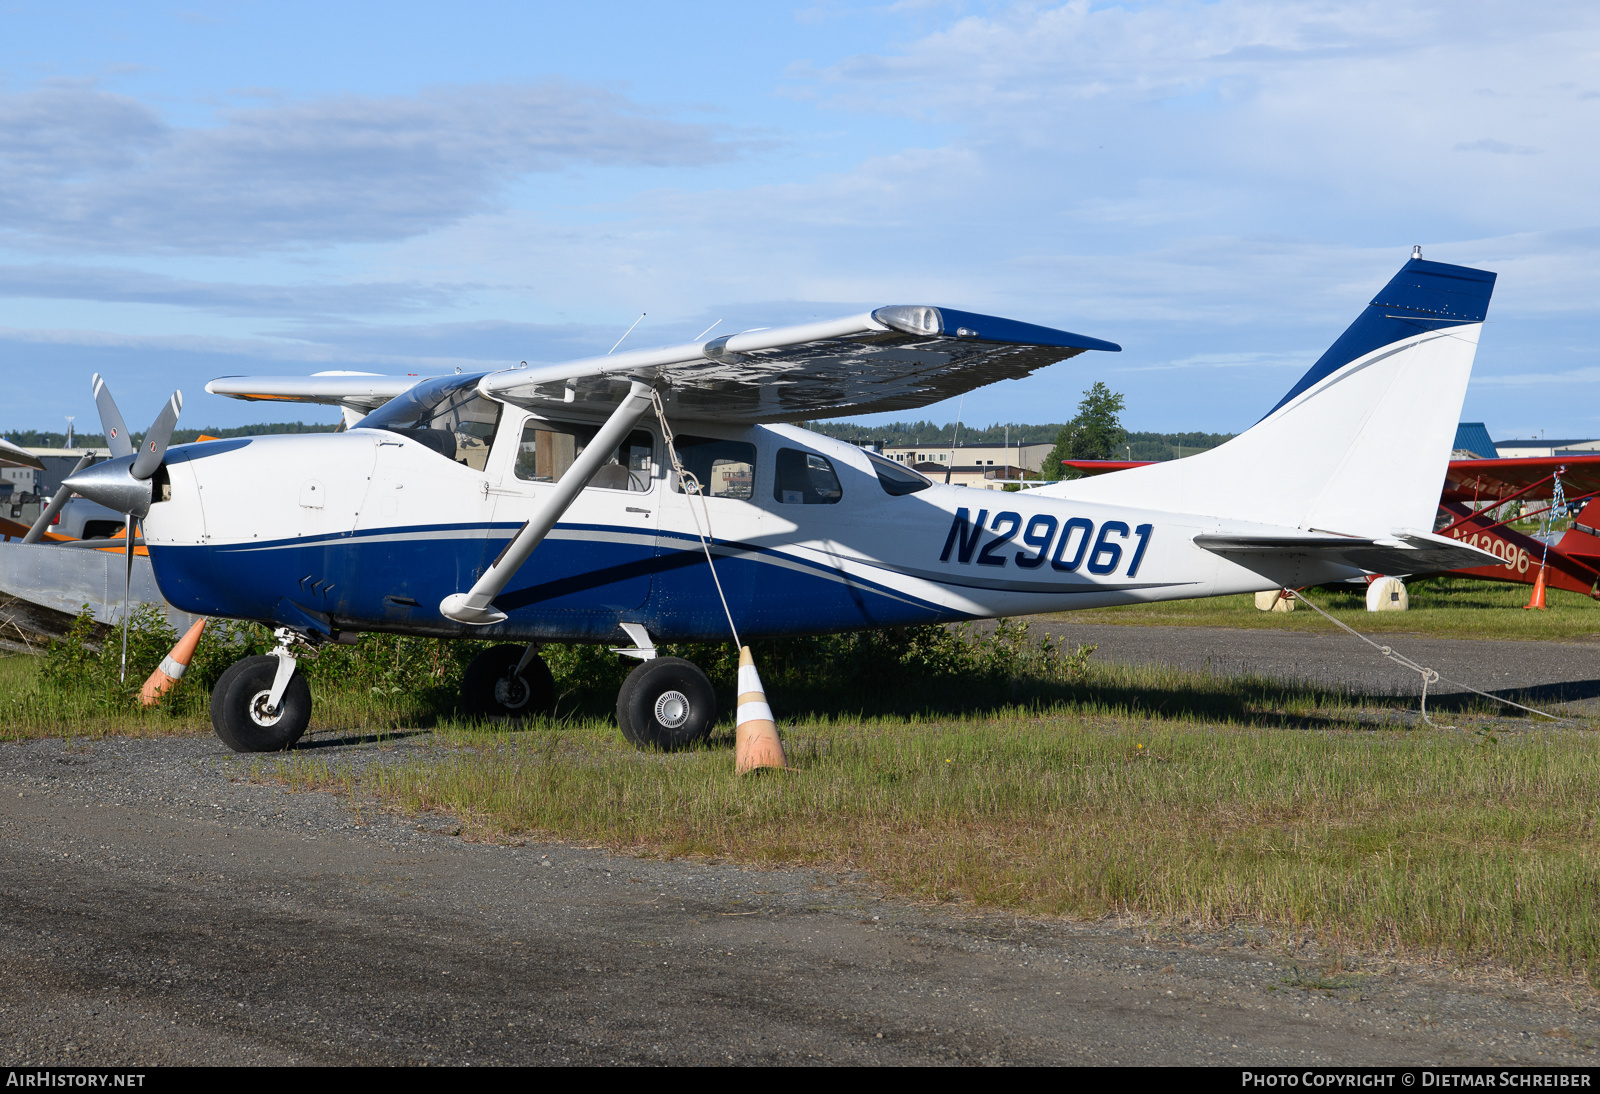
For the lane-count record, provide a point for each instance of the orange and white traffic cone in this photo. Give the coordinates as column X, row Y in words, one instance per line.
column 172, row 666
column 757, row 745
column 1536, row 601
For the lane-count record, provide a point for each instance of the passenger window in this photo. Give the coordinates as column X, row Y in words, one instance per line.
column 724, row 469
column 548, row 449
column 805, row 478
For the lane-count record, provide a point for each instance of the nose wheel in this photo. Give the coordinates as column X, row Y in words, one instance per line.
column 666, row 703
column 507, row 682
column 242, row 711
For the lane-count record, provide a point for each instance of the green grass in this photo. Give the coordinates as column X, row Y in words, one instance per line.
column 1377, row 839
column 30, row 708
column 1448, row 607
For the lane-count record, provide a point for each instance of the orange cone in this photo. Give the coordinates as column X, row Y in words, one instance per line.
column 757, row 744
column 172, row 666
column 1536, row 601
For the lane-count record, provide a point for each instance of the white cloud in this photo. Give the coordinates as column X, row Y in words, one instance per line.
column 1285, row 116
column 1498, row 148
column 83, row 169
column 104, row 284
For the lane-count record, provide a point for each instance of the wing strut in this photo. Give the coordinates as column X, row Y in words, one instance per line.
column 476, row 605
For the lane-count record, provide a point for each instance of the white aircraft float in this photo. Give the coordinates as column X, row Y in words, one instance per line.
column 543, row 504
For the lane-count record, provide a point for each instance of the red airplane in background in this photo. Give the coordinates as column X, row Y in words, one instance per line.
column 1474, row 489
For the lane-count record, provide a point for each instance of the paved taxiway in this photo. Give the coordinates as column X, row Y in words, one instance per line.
column 156, row 907
column 1533, row 673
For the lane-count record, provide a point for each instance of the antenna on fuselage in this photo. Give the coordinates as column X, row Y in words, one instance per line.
column 708, row 330
column 625, row 334
column 954, row 437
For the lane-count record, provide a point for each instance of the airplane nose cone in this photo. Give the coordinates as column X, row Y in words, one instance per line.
column 112, row 484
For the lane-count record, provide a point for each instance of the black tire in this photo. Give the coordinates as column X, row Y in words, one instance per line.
column 666, row 703
column 238, row 707
column 489, row 690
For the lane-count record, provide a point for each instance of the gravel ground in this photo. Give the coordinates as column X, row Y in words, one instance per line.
column 159, row 907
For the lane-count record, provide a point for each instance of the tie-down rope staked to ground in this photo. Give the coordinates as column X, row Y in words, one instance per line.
column 691, row 487
column 1429, row 676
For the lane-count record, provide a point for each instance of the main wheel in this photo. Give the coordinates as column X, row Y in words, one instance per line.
column 666, row 703
column 239, row 711
column 492, row 688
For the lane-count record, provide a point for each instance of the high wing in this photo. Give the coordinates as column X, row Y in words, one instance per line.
column 13, row 455
column 1484, row 481
column 1403, row 553
column 353, row 390
column 893, row 358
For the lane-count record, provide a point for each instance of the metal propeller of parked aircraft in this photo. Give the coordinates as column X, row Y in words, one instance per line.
column 545, row 504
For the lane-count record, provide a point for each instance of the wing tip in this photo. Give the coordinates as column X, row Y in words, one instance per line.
column 928, row 321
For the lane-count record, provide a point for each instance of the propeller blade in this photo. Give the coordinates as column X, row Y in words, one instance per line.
column 127, row 595
column 154, row 445
column 117, row 438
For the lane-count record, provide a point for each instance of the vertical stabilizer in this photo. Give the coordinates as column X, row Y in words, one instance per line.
column 1361, row 442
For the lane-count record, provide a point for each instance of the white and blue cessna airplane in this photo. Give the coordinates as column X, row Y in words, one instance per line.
column 541, row 504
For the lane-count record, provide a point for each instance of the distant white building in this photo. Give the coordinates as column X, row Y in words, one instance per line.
column 978, row 458
column 19, row 480
column 1539, row 446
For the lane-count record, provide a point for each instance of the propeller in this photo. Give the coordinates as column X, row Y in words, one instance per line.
column 123, row 482
column 156, row 438
column 117, row 438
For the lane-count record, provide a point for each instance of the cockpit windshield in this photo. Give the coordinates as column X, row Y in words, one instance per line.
column 447, row 415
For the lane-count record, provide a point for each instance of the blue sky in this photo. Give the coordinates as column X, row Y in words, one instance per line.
column 206, row 189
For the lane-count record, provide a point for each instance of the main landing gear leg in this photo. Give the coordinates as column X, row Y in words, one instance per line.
column 261, row 704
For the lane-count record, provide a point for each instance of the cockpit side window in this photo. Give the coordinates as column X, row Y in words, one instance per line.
column 548, row 449
column 805, row 478
column 447, row 415
column 897, row 479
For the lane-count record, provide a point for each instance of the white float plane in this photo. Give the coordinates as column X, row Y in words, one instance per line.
column 542, row 503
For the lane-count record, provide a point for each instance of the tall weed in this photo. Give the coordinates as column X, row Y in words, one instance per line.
column 859, row 670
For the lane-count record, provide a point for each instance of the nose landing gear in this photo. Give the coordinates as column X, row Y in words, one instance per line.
column 261, row 704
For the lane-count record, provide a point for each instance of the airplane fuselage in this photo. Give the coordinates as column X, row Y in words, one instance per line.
column 368, row 530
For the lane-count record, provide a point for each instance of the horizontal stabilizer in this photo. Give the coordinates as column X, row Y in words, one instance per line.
column 1403, row 553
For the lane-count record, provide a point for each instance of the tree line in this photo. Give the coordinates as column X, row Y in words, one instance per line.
column 1094, row 433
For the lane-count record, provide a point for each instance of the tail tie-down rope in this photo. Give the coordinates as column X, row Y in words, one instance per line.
column 756, row 744
column 691, row 487
column 1429, row 676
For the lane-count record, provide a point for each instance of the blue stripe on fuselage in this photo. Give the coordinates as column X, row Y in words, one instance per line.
column 394, row 578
